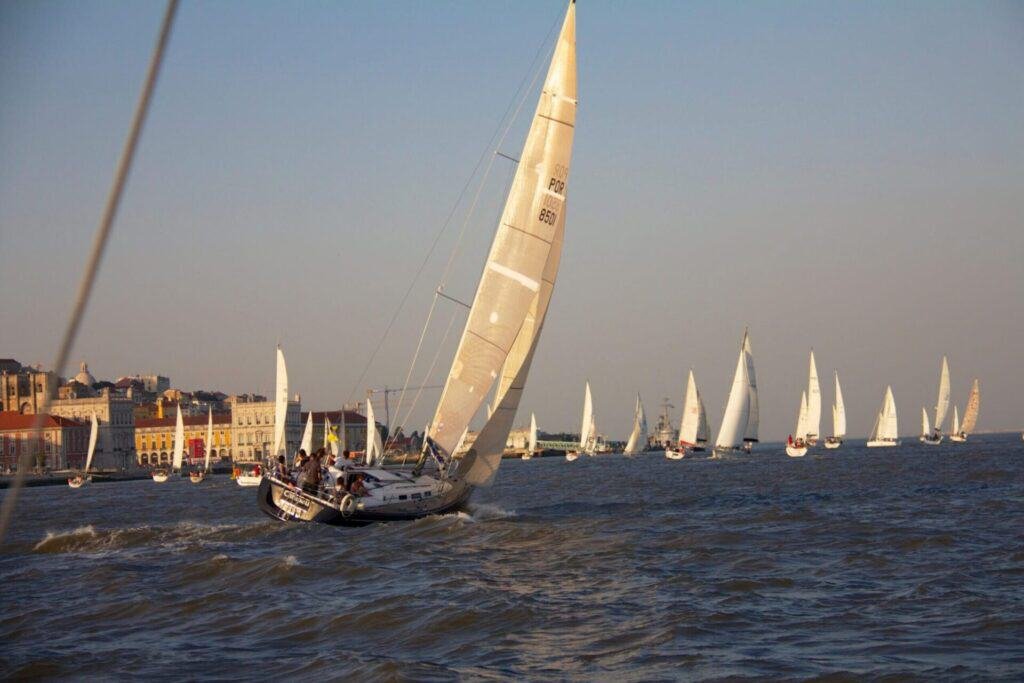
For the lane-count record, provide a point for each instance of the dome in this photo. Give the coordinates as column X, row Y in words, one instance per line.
column 84, row 377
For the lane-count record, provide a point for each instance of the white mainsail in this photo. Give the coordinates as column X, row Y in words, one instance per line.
column 753, row 412
column 737, row 407
column 801, row 418
column 327, row 432
column 374, row 446
column 689, row 427
column 307, row 435
column 638, row 437
column 955, row 428
column 926, row 429
column 179, row 441
column 209, row 439
column 838, row 412
column 280, row 406
column 511, row 301
column 971, row 412
column 703, row 431
column 587, row 425
column 94, row 432
column 887, row 426
column 532, row 445
column 942, row 404
column 813, row 401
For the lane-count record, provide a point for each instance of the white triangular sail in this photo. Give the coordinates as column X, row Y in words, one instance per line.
column 753, row 411
column 737, row 407
column 887, row 425
column 971, row 412
column 327, row 432
column 838, row 412
column 512, row 297
column 926, row 429
column 531, row 446
column 703, row 431
column 374, row 446
column 801, row 418
column 280, row 406
column 587, row 424
column 942, row 403
column 638, row 437
column 955, row 428
column 209, row 440
column 689, row 426
column 179, row 441
column 307, row 435
column 813, row 401
column 94, row 432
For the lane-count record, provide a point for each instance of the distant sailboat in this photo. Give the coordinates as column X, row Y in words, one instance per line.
column 970, row 414
column 162, row 474
column 813, row 403
column 954, row 429
column 78, row 480
column 933, row 437
column 637, row 441
column 588, row 429
column 838, row 419
column 796, row 447
column 753, row 410
column 734, row 432
column 885, row 433
column 197, row 476
column 531, row 444
column 926, row 429
column 693, row 429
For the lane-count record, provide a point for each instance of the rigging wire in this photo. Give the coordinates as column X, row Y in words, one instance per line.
column 99, row 245
column 519, row 95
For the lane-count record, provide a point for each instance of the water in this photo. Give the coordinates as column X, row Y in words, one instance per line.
column 870, row 563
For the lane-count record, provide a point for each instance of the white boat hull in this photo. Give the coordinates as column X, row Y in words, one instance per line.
column 931, row 440
column 833, row 443
column 957, row 438
column 78, row 482
column 796, row 451
column 197, row 477
column 248, row 480
column 161, row 477
column 675, row 455
column 571, row 457
column 883, row 443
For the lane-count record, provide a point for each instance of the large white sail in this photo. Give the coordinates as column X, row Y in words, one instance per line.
column 813, row 401
column 737, row 407
column 887, row 426
column 179, row 441
column 690, row 424
column 587, row 425
column 209, row 440
column 374, row 447
column 971, row 412
column 94, row 432
column 519, row 265
column 801, row 418
column 926, row 429
column 280, row 405
column 753, row 411
column 307, row 435
column 955, row 428
column 942, row 404
column 638, row 437
column 703, row 431
column 531, row 446
column 838, row 412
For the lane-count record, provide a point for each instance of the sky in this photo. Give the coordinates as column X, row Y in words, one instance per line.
column 846, row 176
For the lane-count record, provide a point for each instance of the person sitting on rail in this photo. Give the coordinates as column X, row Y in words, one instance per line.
column 358, row 488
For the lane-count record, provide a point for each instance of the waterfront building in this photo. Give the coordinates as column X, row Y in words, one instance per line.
column 24, row 388
column 355, row 428
column 154, row 438
column 61, row 443
column 115, row 447
column 252, row 428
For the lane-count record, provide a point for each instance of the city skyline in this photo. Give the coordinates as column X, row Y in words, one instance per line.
column 866, row 204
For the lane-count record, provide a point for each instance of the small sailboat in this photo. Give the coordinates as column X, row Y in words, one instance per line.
column 197, row 476
column 162, row 474
column 735, row 432
column 693, row 429
column 797, row 447
column 588, row 428
column 813, row 403
column 498, row 342
column 838, row 419
column 970, row 415
column 252, row 475
column 637, row 441
column 954, row 428
column 78, row 480
column 926, row 430
column 531, row 444
column 933, row 437
column 885, row 433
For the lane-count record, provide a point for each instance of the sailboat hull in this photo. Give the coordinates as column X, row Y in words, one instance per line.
column 958, row 438
column 796, row 451
column 78, row 482
column 289, row 503
column 675, row 455
column 883, row 443
column 833, row 443
column 161, row 477
column 248, row 480
column 197, row 477
column 931, row 440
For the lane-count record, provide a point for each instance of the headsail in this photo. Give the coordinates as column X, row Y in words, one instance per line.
column 209, row 440
column 94, row 432
column 737, row 407
column 179, row 440
column 838, row 412
column 531, row 446
column 512, row 286
column 813, row 401
column 753, row 412
column 942, row 404
column 926, row 429
column 971, row 412
column 307, row 435
column 703, row 431
column 638, row 437
column 887, row 426
column 280, row 405
column 955, row 429
column 689, row 427
column 374, row 447
column 801, row 418
column 587, row 425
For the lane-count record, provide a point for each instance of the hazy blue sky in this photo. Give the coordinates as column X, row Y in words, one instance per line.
column 847, row 176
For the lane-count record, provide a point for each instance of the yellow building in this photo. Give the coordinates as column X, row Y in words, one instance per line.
column 154, row 438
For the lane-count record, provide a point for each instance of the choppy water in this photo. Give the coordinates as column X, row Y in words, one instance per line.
column 905, row 562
